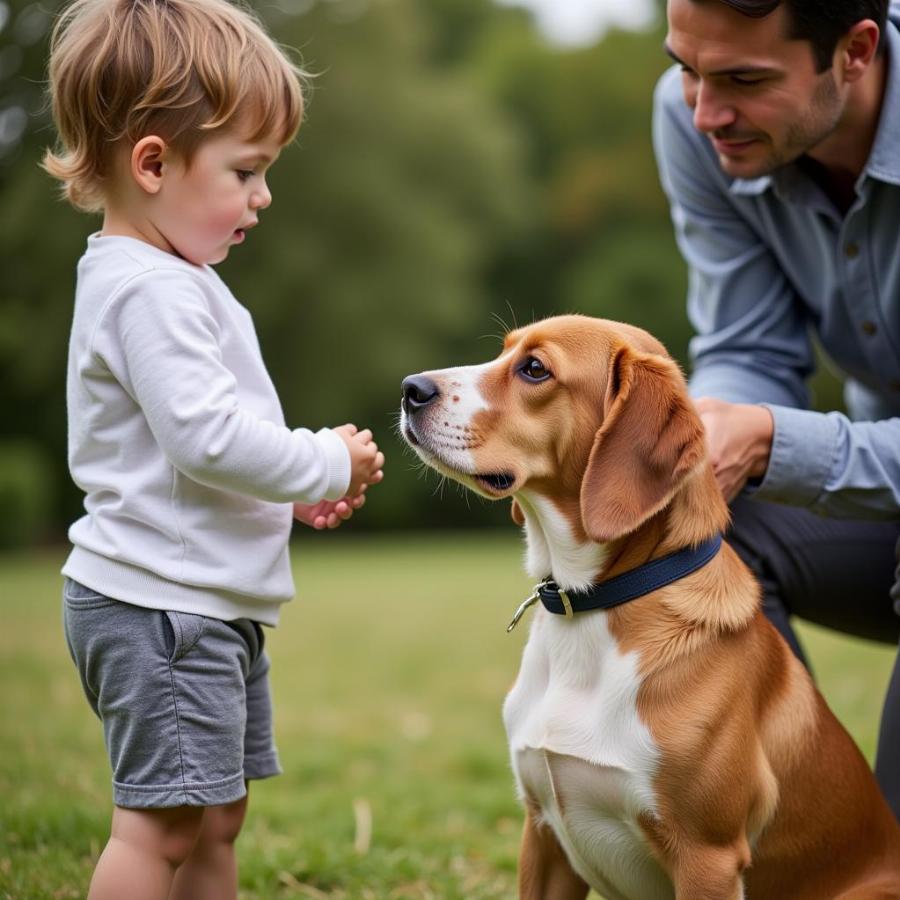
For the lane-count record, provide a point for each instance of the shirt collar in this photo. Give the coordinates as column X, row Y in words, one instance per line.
column 884, row 160
column 790, row 183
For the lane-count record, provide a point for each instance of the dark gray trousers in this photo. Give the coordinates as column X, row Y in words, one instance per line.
column 835, row 572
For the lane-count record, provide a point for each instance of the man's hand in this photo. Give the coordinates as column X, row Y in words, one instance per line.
column 739, row 438
column 329, row 513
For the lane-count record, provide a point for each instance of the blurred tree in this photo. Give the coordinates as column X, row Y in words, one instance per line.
column 371, row 261
column 586, row 114
column 370, row 264
column 40, row 240
column 453, row 169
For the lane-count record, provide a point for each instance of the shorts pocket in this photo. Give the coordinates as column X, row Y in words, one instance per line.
column 78, row 596
column 186, row 631
column 260, row 637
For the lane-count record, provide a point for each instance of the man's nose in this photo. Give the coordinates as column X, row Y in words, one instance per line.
column 711, row 113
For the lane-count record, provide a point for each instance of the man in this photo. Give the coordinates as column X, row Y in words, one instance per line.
column 778, row 144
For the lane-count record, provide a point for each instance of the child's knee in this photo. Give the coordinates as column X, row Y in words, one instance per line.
column 170, row 834
column 222, row 824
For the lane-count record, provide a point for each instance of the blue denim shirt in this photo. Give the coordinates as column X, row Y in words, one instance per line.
column 772, row 262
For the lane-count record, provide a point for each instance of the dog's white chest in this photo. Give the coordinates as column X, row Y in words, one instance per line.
column 581, row 753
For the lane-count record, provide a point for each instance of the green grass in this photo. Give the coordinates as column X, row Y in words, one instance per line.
column 388, row 673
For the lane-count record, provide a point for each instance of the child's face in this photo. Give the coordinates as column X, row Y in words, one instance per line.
column 202, row 210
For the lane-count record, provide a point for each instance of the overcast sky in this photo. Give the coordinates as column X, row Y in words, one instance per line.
column 583, row 21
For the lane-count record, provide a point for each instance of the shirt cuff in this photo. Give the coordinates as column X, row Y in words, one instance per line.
column 804, row 445
column 337, row 458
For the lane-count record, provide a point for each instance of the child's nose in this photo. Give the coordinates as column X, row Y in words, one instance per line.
column 261, row 198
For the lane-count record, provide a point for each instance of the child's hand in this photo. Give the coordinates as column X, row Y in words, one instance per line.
column 366, row 460
column 328, row 513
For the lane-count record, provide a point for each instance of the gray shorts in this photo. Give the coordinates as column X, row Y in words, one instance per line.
column 184, row 699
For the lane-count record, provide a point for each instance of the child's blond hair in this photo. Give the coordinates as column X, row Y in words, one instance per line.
column 179, row 69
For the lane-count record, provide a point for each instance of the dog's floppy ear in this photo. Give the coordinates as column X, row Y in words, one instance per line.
column 650, row 439
column 516, row 512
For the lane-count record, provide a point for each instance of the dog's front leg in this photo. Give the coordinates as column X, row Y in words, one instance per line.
column 544, row 869
column 711, row 873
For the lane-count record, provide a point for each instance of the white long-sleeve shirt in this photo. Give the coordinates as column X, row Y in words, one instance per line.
column 178, row 440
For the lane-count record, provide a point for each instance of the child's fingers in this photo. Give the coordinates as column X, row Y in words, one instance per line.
column 358, row 501
column 364, row 436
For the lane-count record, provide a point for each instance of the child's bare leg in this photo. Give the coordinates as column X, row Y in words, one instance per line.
column 145, row 848
column 210, row 872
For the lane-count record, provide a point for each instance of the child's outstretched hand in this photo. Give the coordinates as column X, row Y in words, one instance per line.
column 329, row 513
column 366, row 460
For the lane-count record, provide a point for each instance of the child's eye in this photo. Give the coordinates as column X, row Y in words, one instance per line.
column 245, row 174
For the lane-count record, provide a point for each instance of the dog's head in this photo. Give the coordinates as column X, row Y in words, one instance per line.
column 590, row 415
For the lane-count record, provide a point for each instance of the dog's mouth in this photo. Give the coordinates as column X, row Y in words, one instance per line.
column 493, row 484
column 496, row 482
column 409, row 434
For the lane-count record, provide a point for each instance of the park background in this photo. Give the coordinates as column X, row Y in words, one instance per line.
column 457, row 173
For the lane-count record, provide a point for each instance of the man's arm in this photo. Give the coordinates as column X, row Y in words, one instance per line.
column 823, row 461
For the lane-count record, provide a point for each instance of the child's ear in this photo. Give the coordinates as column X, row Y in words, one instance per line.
column 147, row 162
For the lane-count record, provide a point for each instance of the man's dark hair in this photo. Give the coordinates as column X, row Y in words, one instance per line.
column 821, row 22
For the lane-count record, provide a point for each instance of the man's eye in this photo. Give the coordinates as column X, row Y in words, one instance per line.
column 534, row 370
column 746, row 82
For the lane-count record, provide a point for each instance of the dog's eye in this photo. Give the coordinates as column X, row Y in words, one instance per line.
column 534, row 370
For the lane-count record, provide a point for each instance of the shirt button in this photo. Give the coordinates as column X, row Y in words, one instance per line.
column 851, row 250
column 869, row 327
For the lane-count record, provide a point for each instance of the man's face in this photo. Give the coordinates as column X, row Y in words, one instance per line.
column 755, row 93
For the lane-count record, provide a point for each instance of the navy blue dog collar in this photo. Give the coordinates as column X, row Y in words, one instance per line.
column 628, row 586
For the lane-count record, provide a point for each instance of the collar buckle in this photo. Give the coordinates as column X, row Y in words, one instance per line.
column 523, row 606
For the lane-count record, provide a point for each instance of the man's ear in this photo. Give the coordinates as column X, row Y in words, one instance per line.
column 857, row 49
column 148, row 159
column 650, row 440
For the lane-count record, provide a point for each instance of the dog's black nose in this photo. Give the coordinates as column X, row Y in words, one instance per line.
column 418, row 391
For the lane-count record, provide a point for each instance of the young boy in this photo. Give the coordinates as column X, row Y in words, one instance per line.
column 170, row 113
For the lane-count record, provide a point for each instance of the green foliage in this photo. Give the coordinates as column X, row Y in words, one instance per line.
column 455, row 175
column 26, row 493
column 384, row 218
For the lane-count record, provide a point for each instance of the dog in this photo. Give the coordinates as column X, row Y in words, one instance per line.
column 668, row 744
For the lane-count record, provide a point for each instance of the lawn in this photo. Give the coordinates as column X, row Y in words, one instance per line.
column 388, row 675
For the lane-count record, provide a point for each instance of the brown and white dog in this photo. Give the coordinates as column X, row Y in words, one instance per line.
column 671, row 747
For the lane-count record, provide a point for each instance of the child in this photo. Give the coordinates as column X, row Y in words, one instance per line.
column 170, row 113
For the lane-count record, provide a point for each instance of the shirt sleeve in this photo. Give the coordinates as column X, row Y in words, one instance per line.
column 751, row 341
column 834, row 466
column 161, row 341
